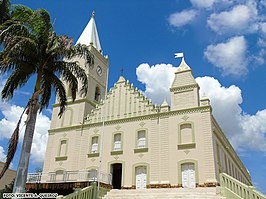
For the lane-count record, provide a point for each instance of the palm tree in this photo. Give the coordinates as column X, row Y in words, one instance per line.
column 4, row 10
column 32, row 48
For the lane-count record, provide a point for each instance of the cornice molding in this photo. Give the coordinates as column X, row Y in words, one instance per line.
column 200, row 109
column 183, row 88
column 78, row 101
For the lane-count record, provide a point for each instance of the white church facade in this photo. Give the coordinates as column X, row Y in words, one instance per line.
column 131, row 143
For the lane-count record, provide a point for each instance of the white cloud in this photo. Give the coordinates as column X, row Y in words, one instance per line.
column 228, row 18
column 229, row 57
column 11, row 114
column 263, row 3
column 209, row 4
column 225, row 101
column 156, row 80
column 240, row 19
column 2, row 154
column 202, row 3
column 261, row 43
column 263, row 27
column 40, row 138
column 259, row 57
column 245, row 131
column 3, row 157
column 254, row 131
column 182, row 18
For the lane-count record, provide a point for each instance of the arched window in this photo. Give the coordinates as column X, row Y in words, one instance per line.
column 67, row 117
column 97, row 94
column 141, row 139
column 186, row 133
column 186, row 136
column 63, row 148
column 117, row 142
column 94, row 144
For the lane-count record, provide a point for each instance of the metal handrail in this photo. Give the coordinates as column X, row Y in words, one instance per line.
column 69, row 176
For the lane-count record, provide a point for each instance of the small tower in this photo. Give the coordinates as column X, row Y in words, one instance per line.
column 97, row 79
column 164, row 106
column 184, row 90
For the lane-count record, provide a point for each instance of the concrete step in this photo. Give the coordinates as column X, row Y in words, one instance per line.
column 163, row 197
column 169, row 194
column 166, row 193
column 168, row 190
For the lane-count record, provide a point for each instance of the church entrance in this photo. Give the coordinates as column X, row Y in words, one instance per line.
column 141, row 177
column 116, row 170
column 188, row 175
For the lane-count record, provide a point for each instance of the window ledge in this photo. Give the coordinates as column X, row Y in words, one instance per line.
column 120, row 152
column 91, row 155
column 186, row 146
column 60, row 158
column 141, row 150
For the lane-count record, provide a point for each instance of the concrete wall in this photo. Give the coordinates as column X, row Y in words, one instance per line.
column 8, row 177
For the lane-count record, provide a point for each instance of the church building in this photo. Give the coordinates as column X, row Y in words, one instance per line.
column 121, row 138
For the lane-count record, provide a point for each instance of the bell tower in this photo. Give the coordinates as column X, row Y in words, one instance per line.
column 97, row 74
column 184, row 89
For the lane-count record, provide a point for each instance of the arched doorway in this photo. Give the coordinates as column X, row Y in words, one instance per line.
column 188, row 175
column 141, row 177
column 116, row 170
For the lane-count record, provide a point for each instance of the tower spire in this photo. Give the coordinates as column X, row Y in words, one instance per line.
column 90, row 34
column 183, row 65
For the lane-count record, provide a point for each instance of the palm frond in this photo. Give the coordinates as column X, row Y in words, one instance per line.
column 57, row 84
column 42, row 22
column 10, row 29
column 79, row 73
column 22, row 14
column 80, row 50
column 29, row 39
column 4, row 10
column 17, row 79
column 12, row 147
column 47, row 90
column 15, row 48
column 70, row 79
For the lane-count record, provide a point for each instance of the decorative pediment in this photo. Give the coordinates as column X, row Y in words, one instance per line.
column 122, row 101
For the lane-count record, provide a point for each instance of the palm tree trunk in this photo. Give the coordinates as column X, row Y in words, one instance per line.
column 22, row 171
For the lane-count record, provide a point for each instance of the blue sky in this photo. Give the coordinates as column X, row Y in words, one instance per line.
column 224, row 43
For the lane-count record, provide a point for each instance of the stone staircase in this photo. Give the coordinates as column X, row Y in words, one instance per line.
column 166, row 193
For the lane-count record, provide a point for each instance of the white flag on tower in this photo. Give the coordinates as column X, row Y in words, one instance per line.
column 178, row 55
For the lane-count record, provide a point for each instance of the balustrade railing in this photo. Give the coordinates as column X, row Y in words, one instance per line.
column 69, row 176
column 234, row 189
